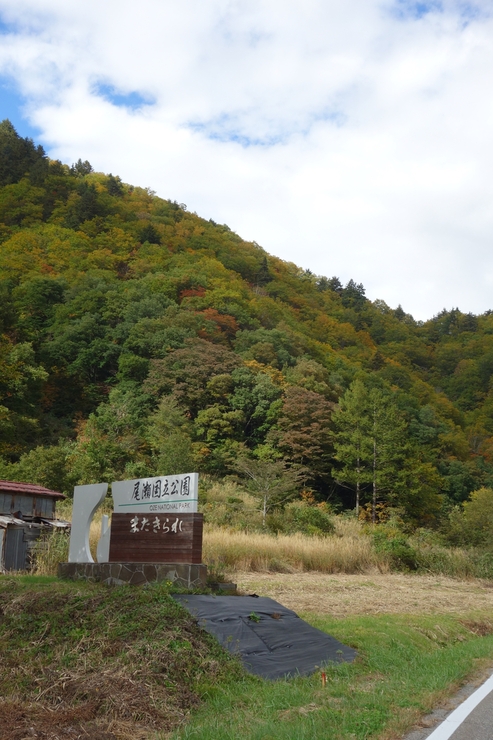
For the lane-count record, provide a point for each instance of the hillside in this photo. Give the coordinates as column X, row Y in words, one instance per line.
column 138, row 338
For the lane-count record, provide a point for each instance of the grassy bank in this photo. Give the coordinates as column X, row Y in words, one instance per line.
column 406, row 666
column 84, row 660
column 127, row 663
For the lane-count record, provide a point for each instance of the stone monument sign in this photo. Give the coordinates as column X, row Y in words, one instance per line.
column 155, row 532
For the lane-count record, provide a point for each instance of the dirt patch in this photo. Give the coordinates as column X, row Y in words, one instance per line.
column 23, row 721
column 344, row 595
column 481, row 627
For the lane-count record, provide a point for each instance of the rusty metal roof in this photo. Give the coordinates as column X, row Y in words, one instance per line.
column 6, row 520
column 10, row 486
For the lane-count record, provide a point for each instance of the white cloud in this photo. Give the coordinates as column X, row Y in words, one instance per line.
column 351, row 138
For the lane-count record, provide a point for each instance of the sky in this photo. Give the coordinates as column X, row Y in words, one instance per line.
column 354, row 139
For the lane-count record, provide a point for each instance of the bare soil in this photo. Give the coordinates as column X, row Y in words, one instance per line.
column 393, row 593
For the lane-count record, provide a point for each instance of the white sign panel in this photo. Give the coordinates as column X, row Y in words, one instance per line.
column 154, row 495
column 86, row 500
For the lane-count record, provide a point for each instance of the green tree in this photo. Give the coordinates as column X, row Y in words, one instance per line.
column 263, row 275
column 258, row 398
column 111, row 445
column 81, row 168
column 150, row 234
column 114, row 185
column 352, row 440
column 271, row 482
column 370, row 442
column 169, row 436
column 313, row 376
column 35, row 301
column 353, row 295
column 45, row 466
column 472, row 525
column 19, row 157
column 21, row 380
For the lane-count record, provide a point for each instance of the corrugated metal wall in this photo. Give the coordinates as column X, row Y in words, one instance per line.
column 44, row 506
column 5, row 503
column 18, row 543
column 28, row 505
column 15, row 549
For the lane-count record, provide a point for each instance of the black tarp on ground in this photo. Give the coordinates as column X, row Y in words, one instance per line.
column 275, row 643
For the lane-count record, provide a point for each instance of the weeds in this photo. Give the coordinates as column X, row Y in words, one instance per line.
column 405, row 666
column 349, row 551
column 346, row 546
column 86, row 659
column 49, row 550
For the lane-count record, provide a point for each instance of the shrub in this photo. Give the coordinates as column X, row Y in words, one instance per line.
column 302, row 517
column 225, row 504
column 472, row 525
column 392, row 542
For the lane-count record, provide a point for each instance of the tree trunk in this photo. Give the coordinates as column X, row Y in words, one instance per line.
column 374, row 494
column 358, row 473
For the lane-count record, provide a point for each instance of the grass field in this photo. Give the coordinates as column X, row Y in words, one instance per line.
column 126, row 663
column 348, row 551
column 406, row 665
column 341, row 596
column 418, row 637
column 353, row 548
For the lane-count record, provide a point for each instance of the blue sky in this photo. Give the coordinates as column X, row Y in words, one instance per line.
column 353, row 139
column 132, row 100
column 11, row 102
column 12, row 106
column 412, row 9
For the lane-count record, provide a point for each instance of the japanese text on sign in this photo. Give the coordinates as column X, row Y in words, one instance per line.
column 156, row 525
column 143, row 490
column 172, row 493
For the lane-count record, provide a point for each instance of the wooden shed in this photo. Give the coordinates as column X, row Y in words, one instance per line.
column 26, row 511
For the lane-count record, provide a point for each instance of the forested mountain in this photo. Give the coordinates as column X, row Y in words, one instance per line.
column 140, row 339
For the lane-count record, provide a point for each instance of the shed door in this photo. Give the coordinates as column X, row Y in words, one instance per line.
column 15, row 549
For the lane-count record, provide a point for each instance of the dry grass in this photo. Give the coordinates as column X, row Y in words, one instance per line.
column 81, row 661
column 348, row 551
column 391, row 593
column 52, row 548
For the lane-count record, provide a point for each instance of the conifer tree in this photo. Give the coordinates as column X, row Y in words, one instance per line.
column 369, row 442
column 352, row 425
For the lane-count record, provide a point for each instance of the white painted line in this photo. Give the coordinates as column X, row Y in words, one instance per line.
column 457, row 717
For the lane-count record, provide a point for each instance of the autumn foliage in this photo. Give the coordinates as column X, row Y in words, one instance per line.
column 136, row 337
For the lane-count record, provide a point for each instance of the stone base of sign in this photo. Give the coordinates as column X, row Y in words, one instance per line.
column 186, row 575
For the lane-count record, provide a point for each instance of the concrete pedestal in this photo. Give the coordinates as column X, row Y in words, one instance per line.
column 191, row 576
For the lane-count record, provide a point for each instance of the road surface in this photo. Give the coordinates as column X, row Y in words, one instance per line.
column 472, row 719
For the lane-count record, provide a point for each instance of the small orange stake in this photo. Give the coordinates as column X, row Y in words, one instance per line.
column 324, row 679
